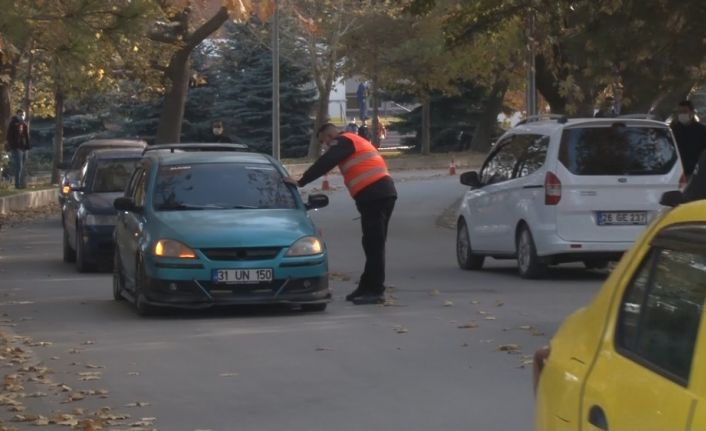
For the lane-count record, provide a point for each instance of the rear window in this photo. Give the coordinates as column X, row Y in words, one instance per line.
column 618, row 150
column 112, row 176
column 219, row 186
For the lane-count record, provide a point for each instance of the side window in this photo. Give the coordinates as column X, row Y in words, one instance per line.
column 534, row 154
column 661, row 312
column 130, row 189
column 83, row 177
column 139, row 192
column 501, row 164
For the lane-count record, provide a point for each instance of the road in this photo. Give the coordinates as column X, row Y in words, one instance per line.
column 409, row 366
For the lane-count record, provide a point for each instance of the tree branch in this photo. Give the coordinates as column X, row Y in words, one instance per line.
column 207, row 28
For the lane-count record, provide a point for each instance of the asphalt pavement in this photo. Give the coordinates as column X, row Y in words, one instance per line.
column 432, row 359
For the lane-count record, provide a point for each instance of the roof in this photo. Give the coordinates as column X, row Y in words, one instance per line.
column 113, row 142
column 168, row 158
column 547, row 126
column 117, row 153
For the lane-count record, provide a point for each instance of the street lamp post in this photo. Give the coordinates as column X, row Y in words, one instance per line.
column 275, row 83
column 531, row 68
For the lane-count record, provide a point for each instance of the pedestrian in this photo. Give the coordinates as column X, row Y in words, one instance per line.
column 217, row 135
column 690, row 135
column 607, row 109
column 363, row 131
column 381, row 131
column 352, row 126
column 371, row 186
column 362, row 96
column 18, row 146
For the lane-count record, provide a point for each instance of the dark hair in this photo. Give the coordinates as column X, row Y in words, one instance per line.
column 217, row 123
column 20, row 111
column 686, row 104
column 324, row 128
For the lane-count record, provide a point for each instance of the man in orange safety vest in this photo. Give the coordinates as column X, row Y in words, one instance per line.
column 371, row 186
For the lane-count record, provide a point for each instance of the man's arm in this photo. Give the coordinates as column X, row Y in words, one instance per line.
column 339, row 150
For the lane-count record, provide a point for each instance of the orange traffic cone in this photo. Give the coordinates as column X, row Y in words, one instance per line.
column 452, row 167
column 326, row 186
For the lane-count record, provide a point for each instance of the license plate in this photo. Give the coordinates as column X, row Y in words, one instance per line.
column 621, row 218
column 242, row 276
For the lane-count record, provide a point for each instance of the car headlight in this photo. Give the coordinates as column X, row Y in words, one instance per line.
column 66, row 189
column 306, row 246
column 99, row 220
column 174, row 249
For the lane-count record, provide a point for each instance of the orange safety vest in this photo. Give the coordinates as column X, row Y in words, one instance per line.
column 364, row 167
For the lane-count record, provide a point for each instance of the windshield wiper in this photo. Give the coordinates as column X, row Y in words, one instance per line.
column 243, row 207
column 187, row 207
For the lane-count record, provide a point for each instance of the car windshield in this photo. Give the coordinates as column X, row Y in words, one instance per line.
column 111, row 176
column 618, row 150
column 206, row 186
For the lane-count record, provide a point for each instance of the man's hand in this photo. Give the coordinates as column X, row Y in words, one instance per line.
column 290, row 180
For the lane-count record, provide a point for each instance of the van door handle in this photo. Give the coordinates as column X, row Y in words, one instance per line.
column 596, row 417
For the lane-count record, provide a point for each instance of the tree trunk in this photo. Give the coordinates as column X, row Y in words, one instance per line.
column 321, row 119
column 426, row 125
column 27, row 102
column 375, row 99
column 169, row 128
column 483, row 134
column 5, row 113
column 58, row 135
column 547, row 86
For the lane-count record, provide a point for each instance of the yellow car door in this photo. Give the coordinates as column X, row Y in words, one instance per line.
column 642, row 377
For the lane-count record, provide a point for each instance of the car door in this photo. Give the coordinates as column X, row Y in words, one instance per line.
column 642, row 376
column 131, row 223
column 72, row 204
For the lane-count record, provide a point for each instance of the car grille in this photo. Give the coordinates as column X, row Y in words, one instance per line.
column 260, row 253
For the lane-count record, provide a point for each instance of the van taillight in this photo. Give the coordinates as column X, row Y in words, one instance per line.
column 552, row 189
column 682, row 182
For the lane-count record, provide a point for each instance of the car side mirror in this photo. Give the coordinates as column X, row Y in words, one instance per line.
column 471, row 179
column 316, row 201
column 73, row 186
column 125, row 204
column 672, row 198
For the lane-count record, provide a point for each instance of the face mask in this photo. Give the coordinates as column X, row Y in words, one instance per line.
column 684, row 118
column 217, row 131
column 21, row 117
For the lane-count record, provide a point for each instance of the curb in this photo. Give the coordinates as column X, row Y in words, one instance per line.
column 27, row 200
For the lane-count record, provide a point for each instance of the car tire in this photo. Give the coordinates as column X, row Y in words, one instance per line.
column 464, row 252
column 82, row 264
column 118, row 281
column 69, row 253
column 596, row 264
column 314, row 307
column 529, row 264
column 141, row 306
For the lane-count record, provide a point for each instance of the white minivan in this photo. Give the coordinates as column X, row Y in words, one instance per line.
column 566, row 190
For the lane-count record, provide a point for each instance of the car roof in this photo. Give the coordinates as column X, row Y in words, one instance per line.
column 549, row 126
column 113, row 142
column 117, row 153
column 179, row 158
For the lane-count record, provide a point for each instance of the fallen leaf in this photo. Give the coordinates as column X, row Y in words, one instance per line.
column 94, row 367
column 229, row 374
column 510, row 348
column 401, row 330
column 448, row 303
column 36, row 395
column 324, row 349
column 138, row 404
column 499, row 303
column 490, row 318
column 88, row 342
column 470, row 325
column 474, row 302
column 434, row 292
column 133, row 373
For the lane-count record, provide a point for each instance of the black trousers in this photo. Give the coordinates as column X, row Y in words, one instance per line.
column 374, row 219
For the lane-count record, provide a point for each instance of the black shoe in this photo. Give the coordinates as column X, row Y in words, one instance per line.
column 359, row 291
column 369, row 299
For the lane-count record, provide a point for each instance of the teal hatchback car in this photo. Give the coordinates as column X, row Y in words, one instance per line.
column 199, row 229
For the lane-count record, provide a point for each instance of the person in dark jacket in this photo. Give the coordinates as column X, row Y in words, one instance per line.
column 217, row 135
column 371, row 186
column 18, row 146
column 690, row 136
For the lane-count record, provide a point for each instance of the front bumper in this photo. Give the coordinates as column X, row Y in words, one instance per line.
column 189, row 284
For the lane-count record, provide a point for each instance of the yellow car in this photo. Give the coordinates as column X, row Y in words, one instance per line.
column 635, row 358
